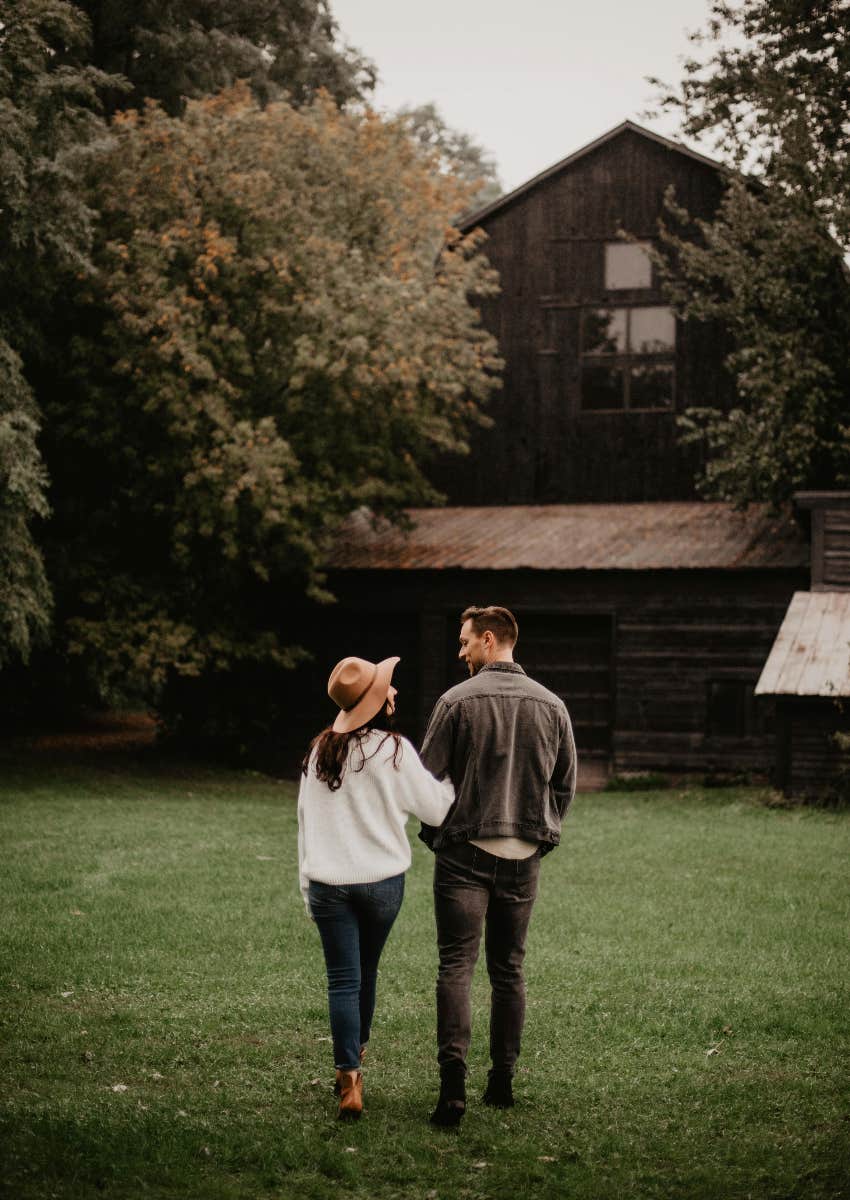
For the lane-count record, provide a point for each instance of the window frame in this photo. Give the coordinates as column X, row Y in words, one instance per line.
column 624, row 361
column 642, row 245
column 753, row 720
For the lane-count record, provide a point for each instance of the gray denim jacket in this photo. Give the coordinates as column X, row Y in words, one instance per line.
column 507, row 745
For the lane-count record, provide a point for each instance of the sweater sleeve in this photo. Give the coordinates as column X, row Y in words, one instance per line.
column 304, row 882
column 425, row 797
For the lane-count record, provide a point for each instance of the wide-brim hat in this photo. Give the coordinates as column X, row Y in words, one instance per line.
column 360, row 689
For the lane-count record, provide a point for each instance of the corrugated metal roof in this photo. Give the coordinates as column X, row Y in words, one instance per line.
column 811, row 654
column 570, row 537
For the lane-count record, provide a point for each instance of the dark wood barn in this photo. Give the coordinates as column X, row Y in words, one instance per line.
column 650, row 612
column 596, row 365
column 807, row 675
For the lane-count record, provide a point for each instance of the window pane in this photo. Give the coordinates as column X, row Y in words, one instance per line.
column 653, row 330
column 627, row 265
column 604, row 331
column 601, row 387
column 727, row 708
column 651, row 386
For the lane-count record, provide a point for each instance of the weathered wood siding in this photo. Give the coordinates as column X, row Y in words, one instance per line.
column 548, row 246
column 835, row 573
column 810, row 762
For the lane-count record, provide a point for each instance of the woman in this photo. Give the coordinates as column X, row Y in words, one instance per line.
column 360, row 781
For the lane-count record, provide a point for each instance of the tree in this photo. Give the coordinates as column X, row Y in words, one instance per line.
column 182, row 50
column 454, row 152
column 280, row 330
column 48, row 116
column 772, row 88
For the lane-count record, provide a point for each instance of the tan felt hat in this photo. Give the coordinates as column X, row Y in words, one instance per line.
column 360, row 689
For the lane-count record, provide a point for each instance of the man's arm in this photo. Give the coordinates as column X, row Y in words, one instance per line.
column 436, row 754
column 564, row 774
column 438, row 743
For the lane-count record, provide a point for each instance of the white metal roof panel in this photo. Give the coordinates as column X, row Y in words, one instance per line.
column 811, row 653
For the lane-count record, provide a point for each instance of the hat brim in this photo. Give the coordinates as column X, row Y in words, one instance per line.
column 371, row 703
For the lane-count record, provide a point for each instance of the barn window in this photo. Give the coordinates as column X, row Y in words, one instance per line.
column 651, row 330
column 627, row 266
column 627, row 358
column 731, row 709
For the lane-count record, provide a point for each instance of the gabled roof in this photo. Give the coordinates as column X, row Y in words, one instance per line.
column 573, row 537
column 811, row 654
column 626, row 126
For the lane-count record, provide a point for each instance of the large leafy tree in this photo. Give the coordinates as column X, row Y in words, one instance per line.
column 48, row 116
column 280, row 329
column 185, row 49
column 770, row 84
column 61, row 65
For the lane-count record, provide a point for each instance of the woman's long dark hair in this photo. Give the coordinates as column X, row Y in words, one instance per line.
column 333, row 749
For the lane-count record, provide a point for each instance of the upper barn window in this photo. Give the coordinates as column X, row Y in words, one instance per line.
column 627, row 266
column 627, row 358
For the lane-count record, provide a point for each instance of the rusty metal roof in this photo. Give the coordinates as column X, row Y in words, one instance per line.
column 571, row 537
column 811, row 654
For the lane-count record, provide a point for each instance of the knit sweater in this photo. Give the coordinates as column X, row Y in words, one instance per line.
column 357, row 833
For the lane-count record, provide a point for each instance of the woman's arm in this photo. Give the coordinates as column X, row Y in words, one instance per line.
column 427, row 798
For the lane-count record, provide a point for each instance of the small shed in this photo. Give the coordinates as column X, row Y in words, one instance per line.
column 807, row 673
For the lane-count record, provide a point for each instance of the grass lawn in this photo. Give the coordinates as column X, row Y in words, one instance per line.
column 165, row 1032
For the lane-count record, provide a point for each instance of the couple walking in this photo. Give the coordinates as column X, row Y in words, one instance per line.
column 494, row 778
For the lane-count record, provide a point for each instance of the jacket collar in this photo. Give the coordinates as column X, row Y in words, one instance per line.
column 513, row 667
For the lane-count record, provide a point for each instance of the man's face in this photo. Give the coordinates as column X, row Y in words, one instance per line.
column 474, row 647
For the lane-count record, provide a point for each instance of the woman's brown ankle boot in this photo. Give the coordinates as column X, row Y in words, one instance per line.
column 336, row 1085
column 350, row 1094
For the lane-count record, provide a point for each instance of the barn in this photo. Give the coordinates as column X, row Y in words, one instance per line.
column 651, row 612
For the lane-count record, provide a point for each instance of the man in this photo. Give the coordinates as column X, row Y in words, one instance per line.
column 507, row 744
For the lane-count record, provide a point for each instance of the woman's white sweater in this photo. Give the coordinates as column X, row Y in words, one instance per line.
column 357, row 833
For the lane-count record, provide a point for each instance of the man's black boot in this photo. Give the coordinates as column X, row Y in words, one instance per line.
column 499, row 1093
column 451, row 1104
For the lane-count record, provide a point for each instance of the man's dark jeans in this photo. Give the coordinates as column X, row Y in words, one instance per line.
column 475, row 890
column 354, row 921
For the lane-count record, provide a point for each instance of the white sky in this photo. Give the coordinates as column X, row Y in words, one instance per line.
column 531, row 80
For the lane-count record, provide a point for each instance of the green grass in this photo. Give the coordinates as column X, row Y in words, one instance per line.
column 687, row 1030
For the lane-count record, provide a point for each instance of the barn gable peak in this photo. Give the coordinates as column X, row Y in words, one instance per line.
column 478, row 215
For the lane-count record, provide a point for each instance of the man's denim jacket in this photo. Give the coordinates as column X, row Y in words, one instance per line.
column 506, row 743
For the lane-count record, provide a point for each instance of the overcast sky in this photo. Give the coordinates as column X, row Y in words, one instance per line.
column 531, row 80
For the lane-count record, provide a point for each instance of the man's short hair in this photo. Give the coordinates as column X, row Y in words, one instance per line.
column 500, row 621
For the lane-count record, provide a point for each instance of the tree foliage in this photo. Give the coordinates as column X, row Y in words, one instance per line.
column 48, row 116
column 182, row 50
column 771, row 84
column 454, row 152
column 280, row 329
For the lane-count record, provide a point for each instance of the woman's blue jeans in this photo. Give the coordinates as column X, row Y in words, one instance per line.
column 354, row 921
